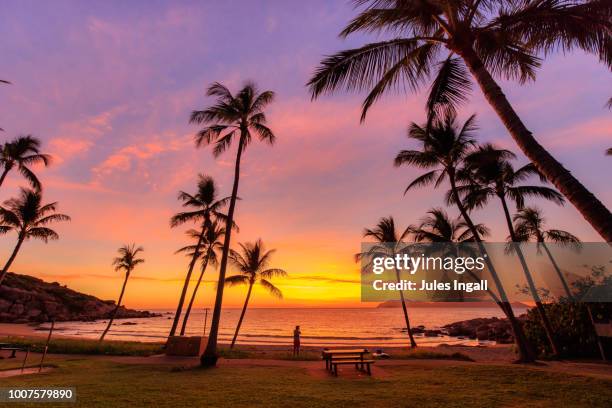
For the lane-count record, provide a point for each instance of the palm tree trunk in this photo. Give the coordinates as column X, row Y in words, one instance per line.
column 585, row 202
column 4, row 173
column 568, row 292
column 12, row 258
column 525, row 351
column 193, row 296
column 209, row 358
column 179, row 307
column 530, row 283
column 244, row 308
column 110, row 322
column 405, row 309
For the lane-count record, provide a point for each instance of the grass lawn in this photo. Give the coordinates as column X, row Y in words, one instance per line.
column 102, row 383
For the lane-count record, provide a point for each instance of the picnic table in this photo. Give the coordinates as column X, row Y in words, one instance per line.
column 334, row 358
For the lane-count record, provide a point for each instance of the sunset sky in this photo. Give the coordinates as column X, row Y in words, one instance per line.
column 108, row 87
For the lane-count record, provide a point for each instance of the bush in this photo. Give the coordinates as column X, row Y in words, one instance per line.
column 572, row 328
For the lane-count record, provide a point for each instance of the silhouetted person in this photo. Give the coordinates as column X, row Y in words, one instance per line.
column 296, row 341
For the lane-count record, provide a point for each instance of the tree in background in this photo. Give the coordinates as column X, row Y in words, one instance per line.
column 389, row 243
column 204, row 207
column 127, row 261
column 238, row 116
column 488, row 173
column 529, row 224
column 208, row 256
column 22, row 152
column 252, row 264
column 28, row 217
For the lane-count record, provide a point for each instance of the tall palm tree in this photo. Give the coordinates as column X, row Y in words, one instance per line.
column 444, row 146
column 389, row 242
column 212, row 245
column 232, row 116
column 489, row 173
column 127, row 261
column 28, row 217
column 204, row 207
column 21, row 153
column 529, row 224
column 252, row 264
column 493, row 40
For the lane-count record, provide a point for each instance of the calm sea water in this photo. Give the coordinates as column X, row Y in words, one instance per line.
column 320, row 327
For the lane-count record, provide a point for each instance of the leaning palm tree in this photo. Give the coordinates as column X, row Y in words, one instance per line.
column 204, row 207
column 444, row 145
column 208, row 256
column 492, row 40
column 389, row 243
column 252, row 264
column 529, row 225
column 232, row 116
column 21, row 153
column 127, row 261
column 28, row 217
column 488, row 173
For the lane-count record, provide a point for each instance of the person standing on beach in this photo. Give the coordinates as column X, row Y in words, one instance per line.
column 296, row 341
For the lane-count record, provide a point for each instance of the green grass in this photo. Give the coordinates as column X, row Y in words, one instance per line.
column 431, row 355
column 80, row 346
column 106, row 384
column 307, row 355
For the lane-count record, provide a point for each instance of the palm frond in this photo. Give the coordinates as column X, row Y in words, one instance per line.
column 274, row 291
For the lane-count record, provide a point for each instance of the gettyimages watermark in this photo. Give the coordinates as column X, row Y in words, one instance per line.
column 472, row 272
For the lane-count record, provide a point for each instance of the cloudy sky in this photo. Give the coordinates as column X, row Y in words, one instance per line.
column 108, row 87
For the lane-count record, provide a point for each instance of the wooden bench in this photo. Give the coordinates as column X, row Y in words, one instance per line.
column 334, row 358
column 359, row 365
column 14, row 350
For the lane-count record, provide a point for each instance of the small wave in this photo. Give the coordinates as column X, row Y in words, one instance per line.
column 317, row 337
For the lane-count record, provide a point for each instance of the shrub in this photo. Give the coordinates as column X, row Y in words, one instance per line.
column 572, row 327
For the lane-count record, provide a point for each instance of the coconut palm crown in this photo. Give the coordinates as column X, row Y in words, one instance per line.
column 21, row 153
column 442, row 42
column 29, row 218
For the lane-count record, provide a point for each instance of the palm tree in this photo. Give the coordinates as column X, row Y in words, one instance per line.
column 444, row 146
column 389, row 242
column 204, row 207
column 252, row 264
column 127, row 261
column 212, row 243
column 438, row 227
column 447, row 39
column 609, row 152
column 529, row 224
column 28, row 217
column 241, row 115
column 489, row 173
column 22, row 152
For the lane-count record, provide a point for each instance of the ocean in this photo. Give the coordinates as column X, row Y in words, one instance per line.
column 376, row 327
